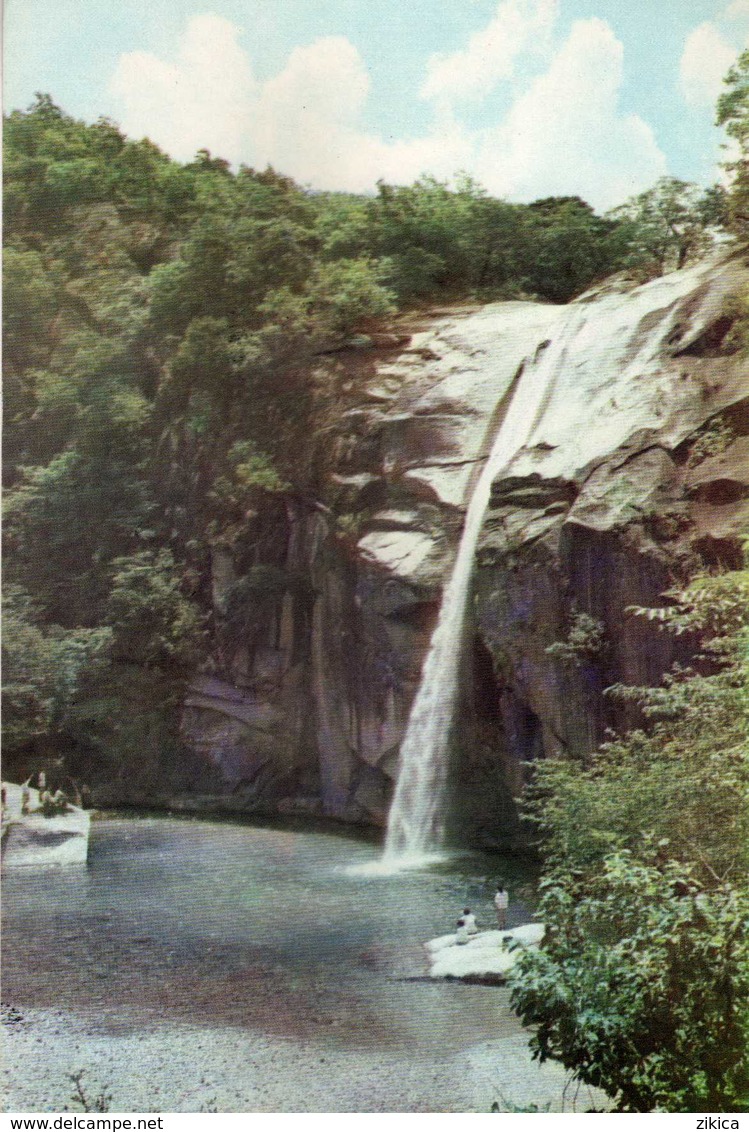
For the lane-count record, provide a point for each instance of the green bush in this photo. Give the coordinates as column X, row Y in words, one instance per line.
column 641, row 986
column 152, row 620
column 43, row 668
column 586, row 641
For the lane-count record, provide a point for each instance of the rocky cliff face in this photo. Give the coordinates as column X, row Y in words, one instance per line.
column 633, row 469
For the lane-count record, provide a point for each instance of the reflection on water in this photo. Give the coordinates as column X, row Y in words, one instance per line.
column 257, row 927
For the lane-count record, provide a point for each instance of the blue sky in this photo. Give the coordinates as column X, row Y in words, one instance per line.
column 532, row 97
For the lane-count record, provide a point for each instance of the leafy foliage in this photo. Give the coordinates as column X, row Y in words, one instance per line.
column 66, row 522
column 348, row 294
column 665, row 227
column 43, row 667
column 733, row 113
column 570, row 247
column 585, row 641
column 642, row 984
column 152, row 621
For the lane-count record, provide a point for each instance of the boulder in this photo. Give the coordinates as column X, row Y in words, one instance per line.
column 33, row 841
column 488, row 957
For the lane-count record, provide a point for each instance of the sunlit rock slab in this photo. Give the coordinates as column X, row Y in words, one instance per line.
column 33, row 841
column 405, row 554
column 452, row 380
column 627, row 370
column 489, row 955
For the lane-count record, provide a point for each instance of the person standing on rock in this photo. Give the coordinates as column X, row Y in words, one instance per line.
column 501, row 903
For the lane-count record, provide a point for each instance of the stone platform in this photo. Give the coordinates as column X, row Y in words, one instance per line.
column 33, row 841
column 488, row 957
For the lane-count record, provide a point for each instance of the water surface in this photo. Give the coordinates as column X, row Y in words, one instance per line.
column 262, row 930
column 243, row 925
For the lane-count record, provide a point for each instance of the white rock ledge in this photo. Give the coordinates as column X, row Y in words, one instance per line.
column 489, row 955
column 33, row 841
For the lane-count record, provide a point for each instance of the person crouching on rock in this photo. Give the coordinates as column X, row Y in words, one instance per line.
column 470, row 922
column 462, row 934
column 501, row 902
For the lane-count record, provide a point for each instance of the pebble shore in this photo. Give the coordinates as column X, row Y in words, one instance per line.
column 184, row 1068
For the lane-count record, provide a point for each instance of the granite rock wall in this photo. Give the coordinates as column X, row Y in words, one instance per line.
column 634, row 471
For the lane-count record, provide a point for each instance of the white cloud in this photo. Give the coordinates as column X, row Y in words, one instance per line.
column 565, row 135
column 304, row 120
column 491, row 53
column 704, row 62
column 199, row 101
column 738, row 10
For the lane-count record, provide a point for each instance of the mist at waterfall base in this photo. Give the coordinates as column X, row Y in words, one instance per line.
column 589, row 343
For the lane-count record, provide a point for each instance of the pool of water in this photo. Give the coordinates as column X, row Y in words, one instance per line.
column 262, row 928
column 198, row 965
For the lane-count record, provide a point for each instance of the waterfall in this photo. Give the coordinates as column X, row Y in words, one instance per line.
column 615, row 341
column 414, row 831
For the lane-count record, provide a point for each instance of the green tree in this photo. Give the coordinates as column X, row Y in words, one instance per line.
column 31, row 303
column 342, row 225
column 665, row 227
column 569, row 247
column 152, row 620
column 457, row 240
column 65, row 524
column 421, row 231
column 642, row 984
column 32, row 296
column 43, row 667
column 733, row 114
column 347, row 295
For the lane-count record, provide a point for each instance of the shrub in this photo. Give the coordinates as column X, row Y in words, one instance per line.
column 641, row 986
column 586, row 641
